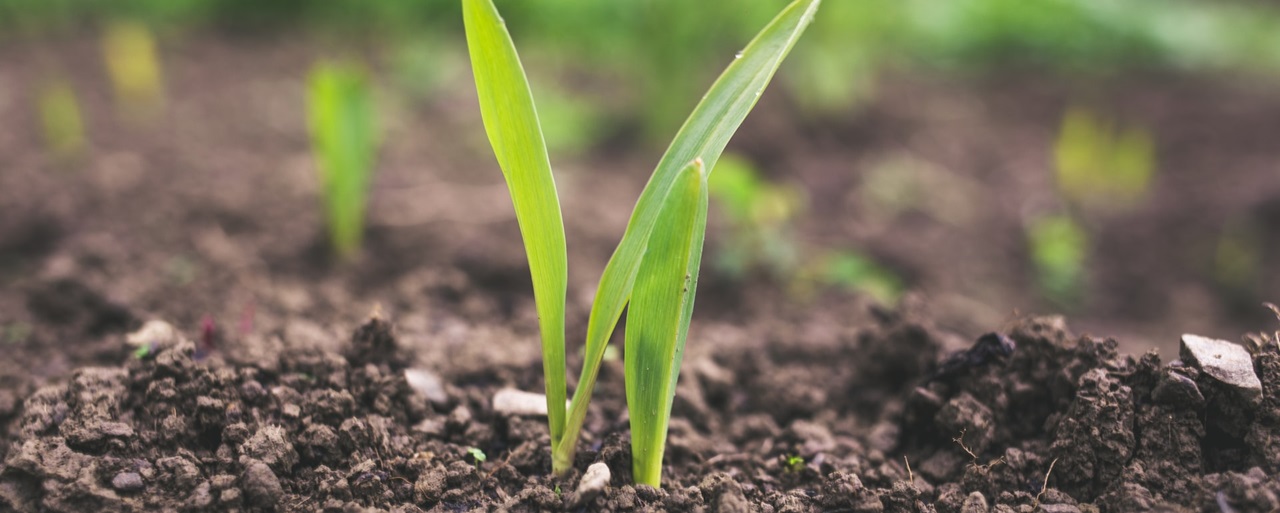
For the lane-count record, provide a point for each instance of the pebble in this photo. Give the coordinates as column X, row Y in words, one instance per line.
column 1224, row 361
column 157, row 333
column 261, row 486
column 510, row 401
column 127, row 482
column 428, row 384
column 594, row 481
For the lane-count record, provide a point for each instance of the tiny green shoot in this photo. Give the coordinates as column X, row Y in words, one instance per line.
column 793, row 463
column 477, row 455
column 344, row 140
column 133, row 64
column 1099, row 163
column 655, row 270
column 61, row 121
column 1059, row 247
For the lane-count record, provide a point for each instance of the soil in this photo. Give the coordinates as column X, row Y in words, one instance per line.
column 278, row 390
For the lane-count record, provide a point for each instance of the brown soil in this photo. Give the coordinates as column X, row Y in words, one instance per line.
column 209, row 213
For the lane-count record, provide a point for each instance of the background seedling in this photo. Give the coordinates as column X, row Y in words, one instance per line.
column 1058, row 248
column 134, row 67
column 61, row 121
column 1098, row 163
column 656, row 263
column 759, row 216
column 477, row 455
column 344, row 140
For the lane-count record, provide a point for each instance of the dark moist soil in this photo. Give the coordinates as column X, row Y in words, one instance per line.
column 882, row 418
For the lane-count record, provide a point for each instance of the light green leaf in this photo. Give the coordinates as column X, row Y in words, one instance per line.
column 511, row 121
column 703, row 136
column 344, row 138
column 658, row 319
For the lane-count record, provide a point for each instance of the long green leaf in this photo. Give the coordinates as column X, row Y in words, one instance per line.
column 703, row 136
column 658, row 318
column 511, row 121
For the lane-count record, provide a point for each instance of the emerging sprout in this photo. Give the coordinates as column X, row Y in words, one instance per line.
column 134, row 67
column 477, row 455
column 61, row 121
column 654, row 269
column 344, row 139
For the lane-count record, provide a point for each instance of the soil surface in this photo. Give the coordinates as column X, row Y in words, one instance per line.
column 1033, row 419
column 273, row 390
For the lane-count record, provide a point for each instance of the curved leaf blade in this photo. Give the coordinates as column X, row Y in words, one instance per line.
column 703, row 136
column 658, row 319
column 511, row 122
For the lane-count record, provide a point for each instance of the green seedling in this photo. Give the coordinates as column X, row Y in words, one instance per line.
column 793, row 463
column 61, row 121
column 854, row 271
column 1059, row 247
column 1100, row 164
column 1237, row 258
column 344, row 140
column 655, row 270
column 133, row 65
column 759, row 215
column 477, row 455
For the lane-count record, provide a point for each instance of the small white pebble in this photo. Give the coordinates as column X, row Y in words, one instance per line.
column 159, row 333
column 510, row 401
column 594, row 481
column 428, row 384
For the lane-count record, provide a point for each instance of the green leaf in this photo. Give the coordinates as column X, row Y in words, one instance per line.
column 703, row 136
column 511, row 121
column 343, row 136
column 658, row 318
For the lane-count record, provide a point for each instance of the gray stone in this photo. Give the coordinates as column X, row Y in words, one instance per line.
column 127, row 482
column 1224, row 361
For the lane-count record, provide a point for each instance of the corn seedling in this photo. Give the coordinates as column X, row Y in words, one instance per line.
column 134, row 67
column 655, row 270
column 344, row 139
column 1099, row 163
column 759, row 215
column 1237, row 257
column 854, row 271
column 61, row 122
column 1059, row 247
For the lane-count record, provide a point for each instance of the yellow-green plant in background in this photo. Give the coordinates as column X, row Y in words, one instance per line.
column 61, row 121
column 344, row 139
column 1099, row 163
column 760, row 217
column 655, row 266
column 1059, row 247
column 133, row 65
column 1237, row 258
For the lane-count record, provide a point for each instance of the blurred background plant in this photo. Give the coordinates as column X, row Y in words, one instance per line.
column 760, row 239
column 1100, row 164
column 61, row 121
column 344, row 138
column 133, row 64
